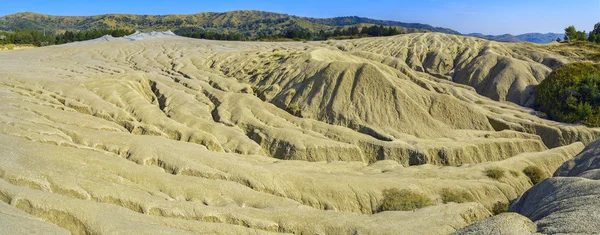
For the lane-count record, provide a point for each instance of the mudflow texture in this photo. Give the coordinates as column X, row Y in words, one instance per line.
column 159, row 134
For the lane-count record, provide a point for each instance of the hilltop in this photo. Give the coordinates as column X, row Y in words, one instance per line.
column 246, row 22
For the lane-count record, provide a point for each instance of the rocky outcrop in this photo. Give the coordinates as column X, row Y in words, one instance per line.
column 503, row 224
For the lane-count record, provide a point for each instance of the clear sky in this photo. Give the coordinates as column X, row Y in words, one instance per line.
column 466, row 16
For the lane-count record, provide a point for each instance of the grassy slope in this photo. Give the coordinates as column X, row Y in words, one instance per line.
column 579, row 51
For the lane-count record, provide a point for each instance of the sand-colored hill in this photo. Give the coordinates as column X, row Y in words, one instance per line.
column 500, row 71
column 161, row 134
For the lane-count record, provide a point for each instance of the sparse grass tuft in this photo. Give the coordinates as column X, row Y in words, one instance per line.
column 479, row 102
column 293, row 109
column 535, row 174
column 514, row 173
column 499, row 208
column 494, row 173
column 8, row 46
column 454, row 196
column 403, row 200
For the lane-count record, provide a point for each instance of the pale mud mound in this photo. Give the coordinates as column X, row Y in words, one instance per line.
column 500, row 71
column 388, row 100
column 564, row 204
column 142, row 36
column 169, row 135
column 137, row 36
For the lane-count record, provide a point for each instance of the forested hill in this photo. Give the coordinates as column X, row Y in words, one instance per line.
column 354, row 20
column 247, row 23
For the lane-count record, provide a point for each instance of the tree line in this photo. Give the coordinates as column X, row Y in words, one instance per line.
column 338, row 33
column 294, row 34
column 203, row 34
column 572, row 34
column 41, row 38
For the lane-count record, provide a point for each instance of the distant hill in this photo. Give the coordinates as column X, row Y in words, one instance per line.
column 528, row 37
column 500, row 38
column 354, row 20
column 249, row 23
column 540, row 38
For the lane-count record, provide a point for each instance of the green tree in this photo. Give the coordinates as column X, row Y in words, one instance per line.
column 570, row 33
column 595, row 34
column 581, row 36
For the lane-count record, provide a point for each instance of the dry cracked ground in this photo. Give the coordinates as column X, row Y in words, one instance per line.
column 158, row 134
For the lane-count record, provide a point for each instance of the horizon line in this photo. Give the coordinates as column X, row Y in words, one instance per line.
column 466, row 34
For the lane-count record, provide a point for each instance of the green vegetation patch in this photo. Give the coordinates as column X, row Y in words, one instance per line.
column 535, row 174
column 403, row 200
column 449, row 195
column 571, row 93
column 8, row 46
column 43, row 38
column 294, row 109
column 494, row 173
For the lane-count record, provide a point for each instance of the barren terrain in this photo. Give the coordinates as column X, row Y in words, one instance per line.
column 159, row 134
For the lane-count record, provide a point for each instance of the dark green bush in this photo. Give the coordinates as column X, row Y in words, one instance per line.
column 535, row 174
column 494, row 173
column 403, row 200
column 571, row 93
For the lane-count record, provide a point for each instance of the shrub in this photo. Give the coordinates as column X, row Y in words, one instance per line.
column 293, row 109
column 571, row 93
column 535, row 174
column 514, row 173
column 454, row 196
column 403, row 200
column 494, row 173
column 499, row 208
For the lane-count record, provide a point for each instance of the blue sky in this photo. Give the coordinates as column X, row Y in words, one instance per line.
column 467, row 16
